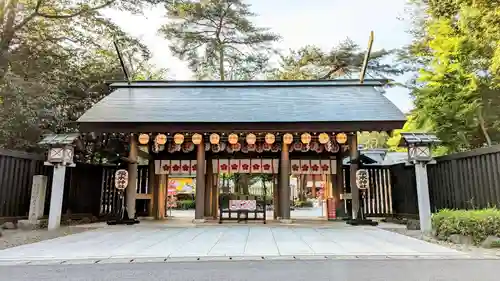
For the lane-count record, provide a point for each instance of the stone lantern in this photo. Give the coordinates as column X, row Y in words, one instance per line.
column 420, row 154
column 60, row 155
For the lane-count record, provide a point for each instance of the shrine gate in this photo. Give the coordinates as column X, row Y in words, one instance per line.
column 208, row 128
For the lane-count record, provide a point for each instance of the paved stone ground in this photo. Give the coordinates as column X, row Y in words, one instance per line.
column 157, row 241
column 17, row 237
column 294, row 270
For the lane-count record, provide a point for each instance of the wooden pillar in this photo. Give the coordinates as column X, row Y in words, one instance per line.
column 215, row 195
column 208, row 187
column 276, row 197
column 132, row 178
column 338, row 181
column 151, row 187
column 162, row 188
column 354, row 156
column 199, row 215
column 313, row 188
column 285, row 183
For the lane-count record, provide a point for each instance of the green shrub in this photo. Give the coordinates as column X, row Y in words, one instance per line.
column 303, row 204
column 186, row 204
column 479, row 224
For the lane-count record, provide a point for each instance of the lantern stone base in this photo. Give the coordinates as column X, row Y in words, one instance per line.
column 357, row 222
column 31, row 225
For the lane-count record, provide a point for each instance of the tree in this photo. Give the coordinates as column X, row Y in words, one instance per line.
column 217, row 38
column 457, row 55
column 344, row 60
column 412, row 126
column 54, row 59
column 372, row 140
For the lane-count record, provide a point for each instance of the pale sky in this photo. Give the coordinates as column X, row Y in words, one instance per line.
column 314, row 22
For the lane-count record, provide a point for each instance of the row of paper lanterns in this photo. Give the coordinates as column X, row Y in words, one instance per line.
column 250, row 138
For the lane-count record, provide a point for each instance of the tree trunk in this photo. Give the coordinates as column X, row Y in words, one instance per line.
column 222, row 73
column 482, row 124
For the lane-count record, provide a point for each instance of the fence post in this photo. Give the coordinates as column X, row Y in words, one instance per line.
column 56, row 196
column 424, row 205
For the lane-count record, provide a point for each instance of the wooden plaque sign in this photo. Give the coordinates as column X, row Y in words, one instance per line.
column 121, row 179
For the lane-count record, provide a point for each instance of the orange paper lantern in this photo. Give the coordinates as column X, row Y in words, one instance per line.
column 341, row 138
column 161, row 139
column 288, row 138
column 197, row 138
column 305, row 138
column 270, row 138
column 232, row 138
column 143, row 138
column 178, row 138
column 214, row 138
column 323, row 138
column 251, row 138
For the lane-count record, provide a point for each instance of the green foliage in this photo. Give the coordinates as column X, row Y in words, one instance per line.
column 344, row 60
column 372, row 140
column 54, row 59
column 303, row 204
column 478, row 224
column 217, row 38
column 186, row 204
column 456, row 52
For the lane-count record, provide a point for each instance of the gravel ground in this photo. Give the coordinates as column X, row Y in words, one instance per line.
column 16, row 237
column 460, row 247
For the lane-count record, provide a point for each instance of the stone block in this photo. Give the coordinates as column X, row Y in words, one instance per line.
column 29, row 225
column 9, row 225
column 37, row 201
column 491, row 242
column 460, row 239
column 413, row 225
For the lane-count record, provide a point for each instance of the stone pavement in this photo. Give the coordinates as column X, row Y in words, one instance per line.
column 160, row 242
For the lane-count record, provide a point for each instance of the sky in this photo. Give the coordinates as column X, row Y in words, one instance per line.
column 323, row 23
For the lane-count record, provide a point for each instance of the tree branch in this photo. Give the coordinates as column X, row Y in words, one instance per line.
column 30, row 17
column 81, row 12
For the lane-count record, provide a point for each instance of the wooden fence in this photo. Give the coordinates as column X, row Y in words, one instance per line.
column 16, row 175
column 466, row 180
column 88, row 188
column 459, row 181
column 378, row 201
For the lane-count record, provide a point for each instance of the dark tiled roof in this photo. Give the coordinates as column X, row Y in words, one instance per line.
column 244, row 101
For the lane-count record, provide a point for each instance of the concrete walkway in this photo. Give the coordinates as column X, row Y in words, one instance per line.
column 154, row 241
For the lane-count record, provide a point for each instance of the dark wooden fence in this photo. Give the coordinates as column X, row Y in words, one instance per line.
column 466, row 180
column 88, row 189
column 378, row 201
column 16, row 175
column 459, row 181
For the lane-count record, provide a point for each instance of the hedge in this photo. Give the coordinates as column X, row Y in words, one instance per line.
column 186, row 204
column 478, row 224
column 303, row 204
